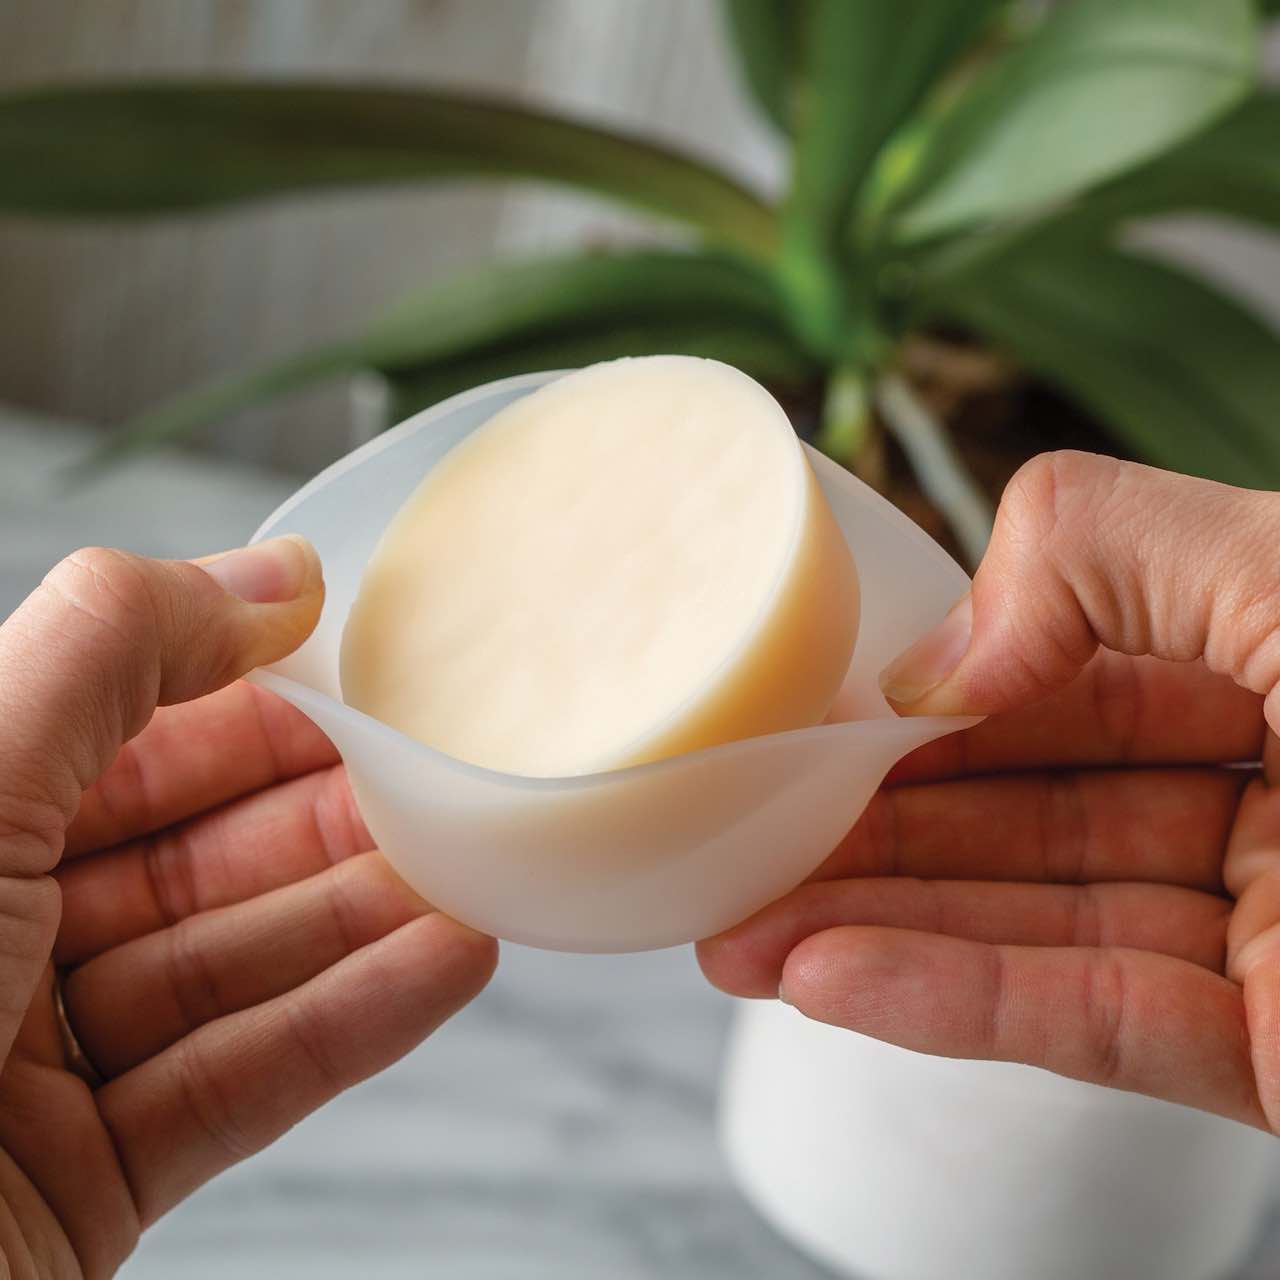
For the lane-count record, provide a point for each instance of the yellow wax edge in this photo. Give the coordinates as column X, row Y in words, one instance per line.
column 633, row 562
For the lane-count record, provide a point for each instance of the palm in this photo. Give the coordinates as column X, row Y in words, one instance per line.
column 1082, row 884
column 231, row 954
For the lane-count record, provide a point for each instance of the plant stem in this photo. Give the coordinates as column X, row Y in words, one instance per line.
column 849, row 432
column 943, row 475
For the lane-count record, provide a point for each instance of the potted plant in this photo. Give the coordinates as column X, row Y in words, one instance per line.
column 964, row 178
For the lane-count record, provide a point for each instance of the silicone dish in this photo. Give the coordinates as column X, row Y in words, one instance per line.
column 639, row 858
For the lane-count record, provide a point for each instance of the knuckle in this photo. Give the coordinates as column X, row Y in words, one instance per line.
column 1060, row 493
column 106, row 586
column 32, row 826
column 1054, row 577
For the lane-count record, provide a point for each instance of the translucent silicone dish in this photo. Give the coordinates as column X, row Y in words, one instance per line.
column 647, row 857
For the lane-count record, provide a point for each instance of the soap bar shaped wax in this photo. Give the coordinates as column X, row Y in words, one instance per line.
column 632, row 562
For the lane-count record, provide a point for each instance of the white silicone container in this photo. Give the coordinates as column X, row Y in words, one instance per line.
column 646, row 857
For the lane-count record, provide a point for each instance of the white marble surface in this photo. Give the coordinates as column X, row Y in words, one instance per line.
column 559, row 1128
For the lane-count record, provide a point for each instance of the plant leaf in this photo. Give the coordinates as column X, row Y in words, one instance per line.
column 764, row 353
column 503, row 304
column 1232, row 168
column 513, row 300
column 1181, row 374
column 1099, row 87
column 764, row 34
column 867, row 66
column 166, row 147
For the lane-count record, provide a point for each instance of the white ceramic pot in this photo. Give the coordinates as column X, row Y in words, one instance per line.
column 888, row 1165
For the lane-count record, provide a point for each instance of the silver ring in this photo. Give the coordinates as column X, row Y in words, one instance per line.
column 78, row 1061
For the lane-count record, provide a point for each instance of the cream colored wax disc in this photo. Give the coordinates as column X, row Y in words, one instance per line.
column 632, row 562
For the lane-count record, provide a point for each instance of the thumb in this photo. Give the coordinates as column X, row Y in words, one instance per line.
column 108, row 637
column 1089, row 551
column 84, row 661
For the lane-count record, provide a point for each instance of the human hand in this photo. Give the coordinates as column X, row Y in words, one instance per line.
column 1079, row 882
column 230, row 954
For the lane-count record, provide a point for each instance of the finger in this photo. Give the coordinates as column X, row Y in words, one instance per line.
column 84, row 661
column 194, row 757
column 272, row 838
column 1251, row 870
column 222, row 961
column 1088, row 551
column 235, row 1085
column 108, row 637
column 1119, row 710
column 1158, row 825
column 1128, row 1019
column 748, row 959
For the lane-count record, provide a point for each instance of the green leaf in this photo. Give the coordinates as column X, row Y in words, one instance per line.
column 764, row 33
column 1101, row 86
column 160, row 148
column 190, row 410
column 1232, row 168
column 507, row 301
column 1180, row 373
column 867, row 64
column 762, row 352
column 503, row 304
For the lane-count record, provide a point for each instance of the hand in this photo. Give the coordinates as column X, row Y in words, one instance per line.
column 1079, row 882
column 230, row 953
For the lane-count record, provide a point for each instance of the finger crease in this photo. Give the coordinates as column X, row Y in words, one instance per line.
column 1087, row 917
column 209, row 1104
column 997, row 1005
column 1106, row 995
column 326, row 796
column 133, row 784
column 342, row 910
column 1064, row 829
column 274, row 760
column 195, row 988
column 310, row 1042
column 166, row 863
column 1118, row 699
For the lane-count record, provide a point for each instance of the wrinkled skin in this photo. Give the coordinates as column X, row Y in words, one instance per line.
column 1079, row 882
column 232, row 954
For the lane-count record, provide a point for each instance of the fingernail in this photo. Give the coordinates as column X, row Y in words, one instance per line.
column 782, row 995
column 932, row 658
column 271, row 572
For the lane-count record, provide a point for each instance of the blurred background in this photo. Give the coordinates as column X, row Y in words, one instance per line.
column 100, row 322
column 563, row 1126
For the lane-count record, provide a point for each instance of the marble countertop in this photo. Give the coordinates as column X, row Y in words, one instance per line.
column 562, row 1127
